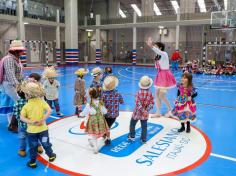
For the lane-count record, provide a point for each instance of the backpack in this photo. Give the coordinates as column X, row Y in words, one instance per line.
column 2, row 68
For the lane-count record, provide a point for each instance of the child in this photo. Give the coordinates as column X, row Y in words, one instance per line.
column 34, row 113
column 51, row 87
column 112, row 99
column 107, row 72
column 164, row 79
column 97, row 75
column 96, row 125
column 34, row 77
column 80, row 93
column 144, row 103
column 185, row 107
column 22, row 126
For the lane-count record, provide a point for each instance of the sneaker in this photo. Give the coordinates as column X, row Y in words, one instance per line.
column 90, row 143
column 52, row 157
column 40, row 149
column 143, row 141
column 59, row 114
column 95, row 150
column 131, row 138
column 22, row 153
column 32, row 164
column 108, row 142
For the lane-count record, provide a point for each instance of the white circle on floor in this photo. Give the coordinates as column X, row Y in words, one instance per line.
column 166, row 150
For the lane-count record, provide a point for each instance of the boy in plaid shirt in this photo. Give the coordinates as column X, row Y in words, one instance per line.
column 22, row 126
column 144, row 103
column 112, row 99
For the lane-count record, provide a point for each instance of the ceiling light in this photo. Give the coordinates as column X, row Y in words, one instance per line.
column 175, row 6
column 226, row 4
column 156, row 9
column 26, row 23
column 202, row 5
column 136, row 9
column 122, row 14
column 89, row 30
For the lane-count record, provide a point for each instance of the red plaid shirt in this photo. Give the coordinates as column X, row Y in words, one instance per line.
column 144, row 103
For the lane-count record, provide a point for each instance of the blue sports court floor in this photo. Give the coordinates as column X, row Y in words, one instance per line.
column 216, row 113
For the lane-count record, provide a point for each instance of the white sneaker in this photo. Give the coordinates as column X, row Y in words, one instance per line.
column 90, row 143
column 95, row 151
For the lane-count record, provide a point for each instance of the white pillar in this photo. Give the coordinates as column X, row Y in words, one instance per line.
column 177, row 31
column 147, row 7
column 21, row 29
column 113, row 9
column 71, row 31
column 98, row 40
column 187, row 6
column 20, row 23
column 85, row 21
column 58, row 41
column 134, row 52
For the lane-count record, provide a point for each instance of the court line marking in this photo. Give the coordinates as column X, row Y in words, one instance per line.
column 177, row 76
column 223, row 157
column 199, row 87
column 54, row 117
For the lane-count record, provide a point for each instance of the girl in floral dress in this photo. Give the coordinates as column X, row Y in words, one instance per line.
column 96, row 125
column 185, row 107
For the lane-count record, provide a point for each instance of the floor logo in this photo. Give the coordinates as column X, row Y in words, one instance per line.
column 166, row 150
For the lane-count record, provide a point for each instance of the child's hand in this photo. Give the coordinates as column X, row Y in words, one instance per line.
column 35, row 122
column 39, row 123
column 189, row 98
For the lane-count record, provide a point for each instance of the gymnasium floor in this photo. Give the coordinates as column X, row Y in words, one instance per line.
column 208, row 150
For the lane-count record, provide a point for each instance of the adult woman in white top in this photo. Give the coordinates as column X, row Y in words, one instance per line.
column 164, row 79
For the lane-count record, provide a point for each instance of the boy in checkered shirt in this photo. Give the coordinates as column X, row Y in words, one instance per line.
column 112, row 99
column 144, row 103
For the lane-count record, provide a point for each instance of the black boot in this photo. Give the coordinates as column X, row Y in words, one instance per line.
column 76, row 111
column 188, row 127
column 182, row 128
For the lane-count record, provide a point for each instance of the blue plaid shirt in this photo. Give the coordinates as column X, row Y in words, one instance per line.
column 112, row 99
column 17, row 109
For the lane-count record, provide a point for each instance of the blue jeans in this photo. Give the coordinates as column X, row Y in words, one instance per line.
column 22, row 137
column 143, row 126
column 33, row 139
column 175, row 65
column 55, row 103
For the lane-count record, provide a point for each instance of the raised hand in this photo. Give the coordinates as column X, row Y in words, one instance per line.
column 149, row 42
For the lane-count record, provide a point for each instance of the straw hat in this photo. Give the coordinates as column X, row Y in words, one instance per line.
column 189, row 63
column 110, row 83
column 32, row 89
column 145, row 82
column 96, row 71
column 50, row 72
column 16, row 45
column 81, row 71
